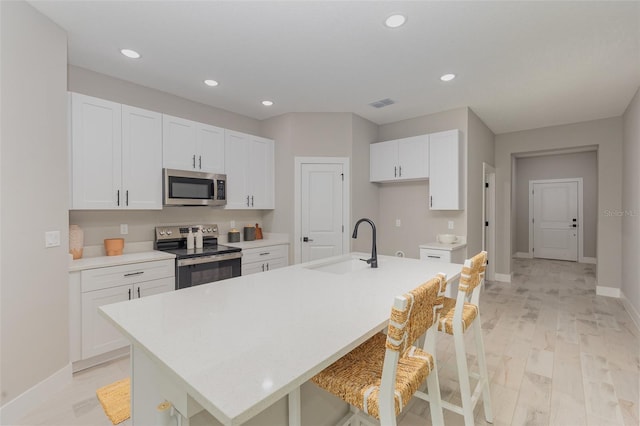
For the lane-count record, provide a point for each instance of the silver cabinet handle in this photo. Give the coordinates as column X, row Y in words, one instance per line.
column 134, row 273
column 247, row 201
column 430, row 200
column 252, row 201
column 433, row 257
column 200, row 162
column 263, row 267
column 127, row 197
column 395, row 171
column 129, row 294
column 194, row 161
column 267, row 266
column 118, row 198
column 265, row 253
column 400, row 171
column 139, row 293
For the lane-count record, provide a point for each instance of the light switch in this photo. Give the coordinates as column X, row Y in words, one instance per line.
column 124, row 229
column 232, row 224
column 450, row 224
column 398, row 223
column 51, row 239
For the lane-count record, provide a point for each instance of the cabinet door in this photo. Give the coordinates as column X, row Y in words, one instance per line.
column 96, row 143
column 236, row 151
column 179, row 143
column 445, row 174
column 150, row 288
column 253, row 268
column 413, row 158
column 210, row 149
column 141, row 158
column 383, row 161
column 280, row 262
column 260, row 172
column 98, row 336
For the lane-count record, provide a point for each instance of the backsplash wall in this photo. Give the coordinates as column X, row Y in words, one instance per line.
column 100, row 224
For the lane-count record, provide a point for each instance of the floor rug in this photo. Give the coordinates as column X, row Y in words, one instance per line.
column 116, row 400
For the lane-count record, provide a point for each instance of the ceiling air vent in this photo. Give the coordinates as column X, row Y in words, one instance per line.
column 382, row 103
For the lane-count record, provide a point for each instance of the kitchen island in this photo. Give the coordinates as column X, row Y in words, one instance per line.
column 235, row 347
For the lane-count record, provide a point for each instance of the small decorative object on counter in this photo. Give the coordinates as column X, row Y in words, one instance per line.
column 258, row 232
column 76, row 241
column 199, row 238
column 190, row 240
column 233, row 236
column 249, row 233
column 113, row 246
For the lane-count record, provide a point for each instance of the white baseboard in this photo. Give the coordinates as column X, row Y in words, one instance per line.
column 608, row 291
column 591, row 260
column 523, row 255
column 20, row 406
column 505, row 278
column 631, row 310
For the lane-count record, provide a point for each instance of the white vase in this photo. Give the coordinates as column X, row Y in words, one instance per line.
column 76, row 241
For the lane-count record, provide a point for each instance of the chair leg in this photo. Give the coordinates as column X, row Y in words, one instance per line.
column 433, row 383
column 463, row 378
column 482, row 366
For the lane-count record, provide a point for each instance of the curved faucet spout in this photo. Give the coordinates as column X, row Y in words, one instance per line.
column 373, row 261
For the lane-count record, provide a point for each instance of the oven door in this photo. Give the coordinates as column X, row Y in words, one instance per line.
column 206, row 269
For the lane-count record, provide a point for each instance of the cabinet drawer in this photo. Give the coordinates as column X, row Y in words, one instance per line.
column 113, row 276
column 264, row 253
column 437, row 255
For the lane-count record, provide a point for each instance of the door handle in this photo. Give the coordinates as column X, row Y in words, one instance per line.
column 306, row 240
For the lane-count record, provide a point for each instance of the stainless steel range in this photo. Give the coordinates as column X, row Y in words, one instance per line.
column 212, row 262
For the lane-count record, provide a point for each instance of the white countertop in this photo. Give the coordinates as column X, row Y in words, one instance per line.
column 268, row 240
column 237, row 346
column 443, row 246
column 124, row 259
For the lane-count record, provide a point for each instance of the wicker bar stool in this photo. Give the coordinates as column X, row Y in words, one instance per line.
column 379, row 377
column 457, row 316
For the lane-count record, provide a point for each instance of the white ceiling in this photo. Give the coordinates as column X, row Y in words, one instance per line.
column 520, row 65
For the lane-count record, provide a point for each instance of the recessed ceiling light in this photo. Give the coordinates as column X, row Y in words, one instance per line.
column 130, row 53
column 211, row 83
column 448, row 77
column 267, row 103
column 395, row 21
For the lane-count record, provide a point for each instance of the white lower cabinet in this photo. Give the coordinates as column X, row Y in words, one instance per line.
column 91, row 334
column 456, row 255
column 264, row 259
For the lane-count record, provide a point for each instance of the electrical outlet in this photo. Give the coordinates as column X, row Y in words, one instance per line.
column 124, row 229
column 232, row 224
column 450, row 224
column 398, row 223
column 51, row 239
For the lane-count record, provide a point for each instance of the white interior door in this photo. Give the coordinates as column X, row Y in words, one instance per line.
column 321, row 195
column 555, row 220
column 489, row 218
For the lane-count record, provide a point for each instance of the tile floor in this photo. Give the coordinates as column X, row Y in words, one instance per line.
column 557, row 354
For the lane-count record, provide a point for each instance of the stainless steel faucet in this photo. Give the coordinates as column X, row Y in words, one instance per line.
column 373, row 261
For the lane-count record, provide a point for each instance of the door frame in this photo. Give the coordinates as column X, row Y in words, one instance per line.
column 581, row 258
column 489, row 232
column 297, row 200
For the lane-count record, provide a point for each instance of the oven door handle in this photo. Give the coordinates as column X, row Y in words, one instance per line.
column 209, row 259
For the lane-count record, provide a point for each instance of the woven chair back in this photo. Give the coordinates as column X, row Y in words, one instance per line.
column 473, row 272
column 421, row 312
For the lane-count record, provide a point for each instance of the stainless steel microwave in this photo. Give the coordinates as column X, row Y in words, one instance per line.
column 185, row 188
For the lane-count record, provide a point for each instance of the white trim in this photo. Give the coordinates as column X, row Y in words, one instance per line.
column 608, row 291
column 346, row 197
column 631, row 310
column 504, row 278
column 591, row 260
column 523, row 255
column 489, row 214
column 580, row 212
column 20, row 406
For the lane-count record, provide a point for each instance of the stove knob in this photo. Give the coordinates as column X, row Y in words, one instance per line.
column 161, row 232
column 209, row 229
column 169, row 232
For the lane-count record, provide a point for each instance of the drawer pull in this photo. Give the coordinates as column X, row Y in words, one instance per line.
column 134, row 273
column 265, row 253
column 433, row 257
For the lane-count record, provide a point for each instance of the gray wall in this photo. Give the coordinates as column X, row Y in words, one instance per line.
column 631, row 205
column 606, row 134
column 577, row 165
column 98, row 225
column 408, row 201
column 34, row 197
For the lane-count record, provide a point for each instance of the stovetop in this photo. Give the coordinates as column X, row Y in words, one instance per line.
column 173, row 239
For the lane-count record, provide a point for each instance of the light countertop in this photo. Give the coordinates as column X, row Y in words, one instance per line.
column 268, row 240
column 266, row 333
column 443, row 246
column 124, row 259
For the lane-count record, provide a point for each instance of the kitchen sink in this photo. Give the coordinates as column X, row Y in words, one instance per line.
column 341, row 266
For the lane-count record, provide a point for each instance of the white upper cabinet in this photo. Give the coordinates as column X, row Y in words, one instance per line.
column 189, row 145
column 116, row 155
column 249, row 163
column 445, row 182
column 400, row 160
